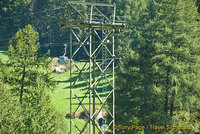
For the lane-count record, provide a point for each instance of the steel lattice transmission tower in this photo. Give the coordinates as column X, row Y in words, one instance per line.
column 92, row 28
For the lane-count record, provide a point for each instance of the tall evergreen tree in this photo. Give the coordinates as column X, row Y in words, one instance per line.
column 175, row 55
column 10, row 112
column 176, row 58
column 27, row 75
column 135, row 15
column 24, row 57
column 160, row 80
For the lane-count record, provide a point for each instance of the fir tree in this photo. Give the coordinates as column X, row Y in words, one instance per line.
column 27, row 63
column 175, row 58
column 10, row 112
column 161, row 78
column 28, row 77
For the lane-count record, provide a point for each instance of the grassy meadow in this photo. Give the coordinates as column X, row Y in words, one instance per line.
column 60, row 97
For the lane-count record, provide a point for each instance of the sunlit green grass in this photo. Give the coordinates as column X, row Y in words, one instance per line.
column 3, row 56
column 61, row 96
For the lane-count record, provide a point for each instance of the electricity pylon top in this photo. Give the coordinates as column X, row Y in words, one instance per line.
column 93, row 17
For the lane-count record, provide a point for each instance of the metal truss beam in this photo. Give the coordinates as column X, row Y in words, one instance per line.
column 92, row 4
column 90, row 39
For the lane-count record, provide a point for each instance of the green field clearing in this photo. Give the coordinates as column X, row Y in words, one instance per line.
column 3, row 55
column 61, row 95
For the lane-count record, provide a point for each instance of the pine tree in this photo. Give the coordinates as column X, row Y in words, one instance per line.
column 177, row 54
column 161, row 78
column 39, row 116
column 28, row 77
column 176, row 49
column 134, row 16
column 10, row 117
column 27, row 63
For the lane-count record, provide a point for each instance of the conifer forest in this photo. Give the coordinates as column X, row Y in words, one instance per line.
column 150, row 85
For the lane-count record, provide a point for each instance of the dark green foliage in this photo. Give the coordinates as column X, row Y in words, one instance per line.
column 36, row 116
column 27, row 76
column 137, row 13
column 159, row 81
column 42, row 15
column 10, row 112
column 27, row 63
column 198, row 5
column 39, row 116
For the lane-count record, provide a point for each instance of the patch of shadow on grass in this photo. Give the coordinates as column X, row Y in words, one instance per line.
column 65, row 81
column 75, row 98
column 4, row 52
column 80, row 85
column 85, row 96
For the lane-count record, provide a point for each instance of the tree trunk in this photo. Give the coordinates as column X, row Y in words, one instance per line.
column 167, row 93
column 172, row 102
column 22, row 85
